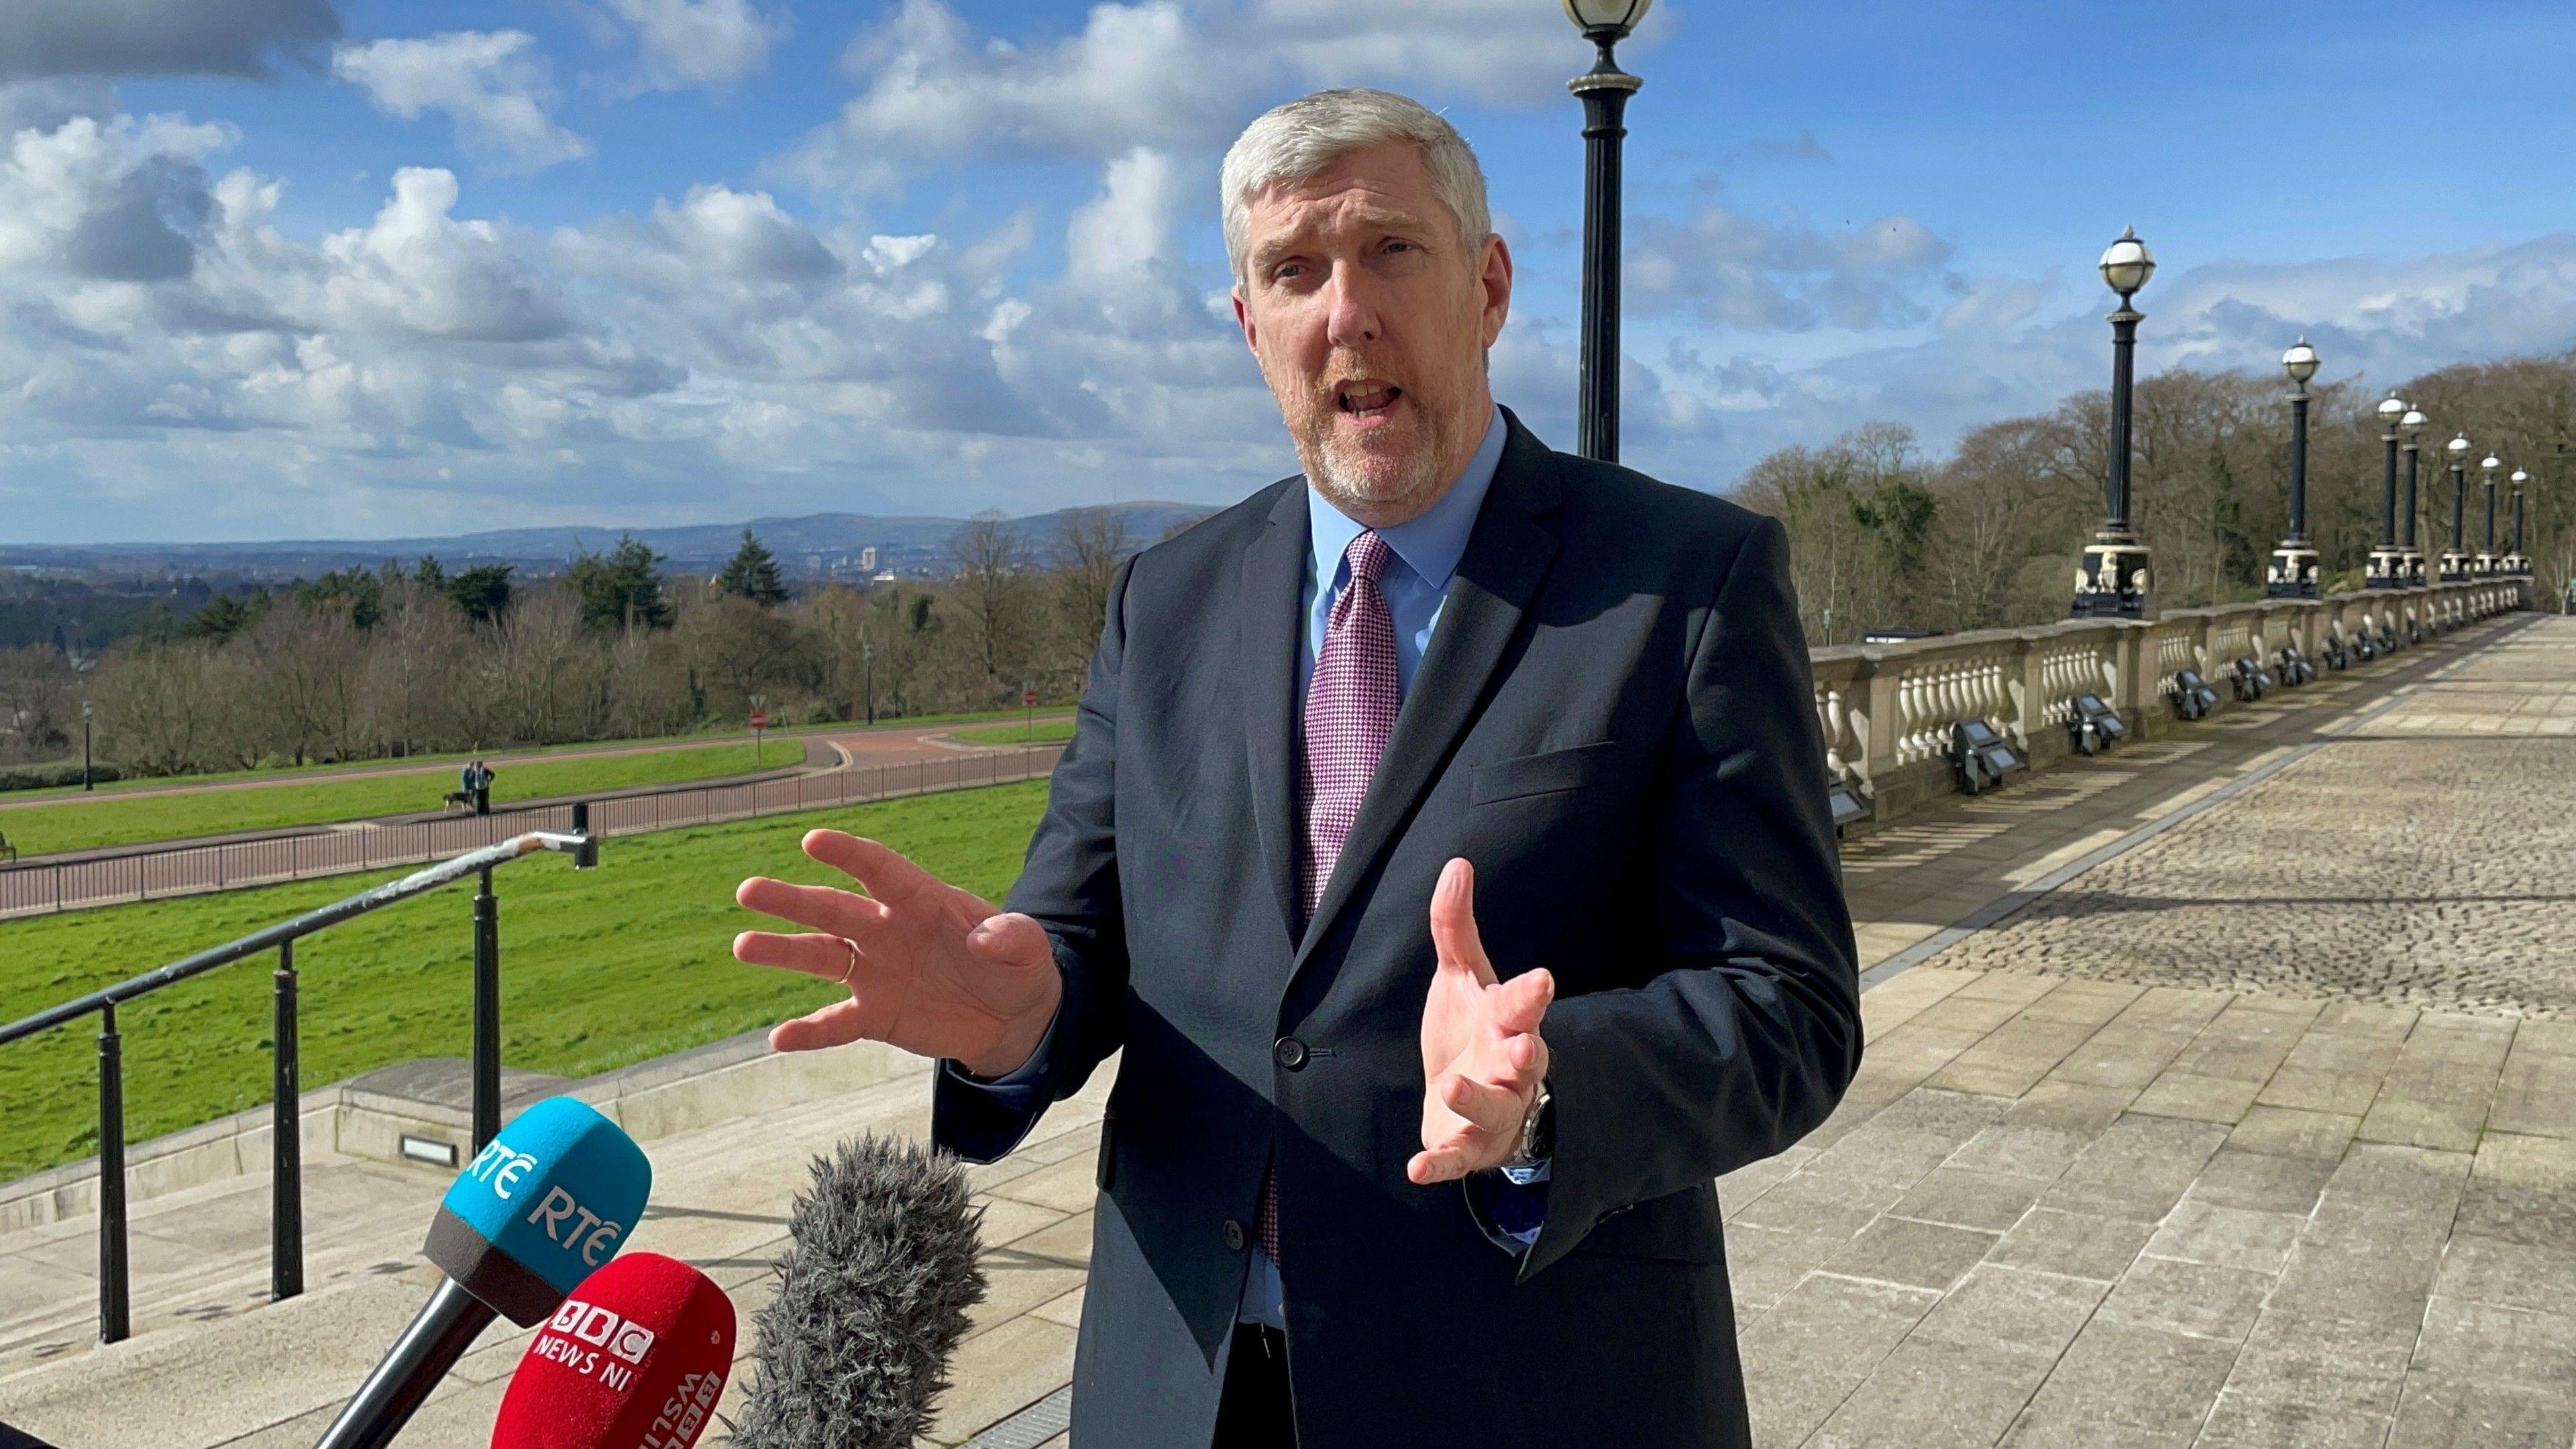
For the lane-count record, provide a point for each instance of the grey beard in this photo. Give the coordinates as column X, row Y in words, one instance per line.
column 1348, row 487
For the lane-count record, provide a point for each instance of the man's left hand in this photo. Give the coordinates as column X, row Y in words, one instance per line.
column 1482, row 1057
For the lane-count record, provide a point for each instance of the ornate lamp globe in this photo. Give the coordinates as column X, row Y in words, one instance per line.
column 2391, row 408
column 2127, row 264
column 2491, row 464
column 1615, row 16
column 2458, row 448
column 2519, row 478
column 2412, row 425
column 2300, row 362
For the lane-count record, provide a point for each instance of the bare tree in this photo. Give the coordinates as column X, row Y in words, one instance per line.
column 307, row 656
column 1090, row 544
column 39, row 715
column 992, row 589
column 160, row 707
column 412, row 666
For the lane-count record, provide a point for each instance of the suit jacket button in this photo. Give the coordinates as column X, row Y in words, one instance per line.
column 1234, row 1238
column 1290, row 1052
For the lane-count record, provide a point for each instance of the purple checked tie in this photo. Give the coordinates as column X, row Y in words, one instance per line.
column 1351, row 702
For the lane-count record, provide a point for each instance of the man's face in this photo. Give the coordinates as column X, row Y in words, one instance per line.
column 1370, row 318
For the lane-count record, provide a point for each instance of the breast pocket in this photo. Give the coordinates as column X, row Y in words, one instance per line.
column 1548, row 773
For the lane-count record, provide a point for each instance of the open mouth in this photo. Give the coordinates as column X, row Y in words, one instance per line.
column 1366, row 397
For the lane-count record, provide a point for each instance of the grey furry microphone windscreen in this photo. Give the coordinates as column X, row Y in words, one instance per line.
column 872, row 1297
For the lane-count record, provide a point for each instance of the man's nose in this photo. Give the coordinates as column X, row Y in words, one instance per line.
column 1353, row 320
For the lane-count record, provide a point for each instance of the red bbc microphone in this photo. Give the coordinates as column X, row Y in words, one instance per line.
column 634, row 1359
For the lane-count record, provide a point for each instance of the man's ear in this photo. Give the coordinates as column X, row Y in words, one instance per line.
column 1495, row 279
column 1243, row 319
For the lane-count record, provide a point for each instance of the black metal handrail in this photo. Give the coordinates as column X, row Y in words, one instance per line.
column 286, row 1246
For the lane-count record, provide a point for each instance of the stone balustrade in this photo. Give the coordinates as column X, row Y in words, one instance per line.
column 1887, row 709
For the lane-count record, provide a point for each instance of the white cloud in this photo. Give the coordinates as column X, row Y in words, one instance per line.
column 177, row 359
column 1175, row 77
column 1115, row 237
column 124, row 200
column 417, row 269
column 2010, row 347
column 1503, row 52
column 710, row 43
column 1738, row 271
column 495, row 86
column 1134, row 75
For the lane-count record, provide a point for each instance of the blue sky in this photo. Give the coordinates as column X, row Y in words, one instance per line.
column 285, row 267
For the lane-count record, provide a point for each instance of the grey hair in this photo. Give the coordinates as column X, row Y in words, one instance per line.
column 1290, row 143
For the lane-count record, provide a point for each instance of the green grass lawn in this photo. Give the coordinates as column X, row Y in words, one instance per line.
column 598, row 969
column 100, row 821
column 1041, row 732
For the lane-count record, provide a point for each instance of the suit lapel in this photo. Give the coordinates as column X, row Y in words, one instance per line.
column 1274, row 574
column 1507, row 555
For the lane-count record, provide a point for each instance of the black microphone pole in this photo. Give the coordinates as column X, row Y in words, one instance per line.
column 438, row 1336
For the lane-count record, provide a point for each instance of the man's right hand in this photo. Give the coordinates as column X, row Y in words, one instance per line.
column 931, row 969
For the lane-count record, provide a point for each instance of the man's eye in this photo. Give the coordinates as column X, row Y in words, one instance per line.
column 1288, row 271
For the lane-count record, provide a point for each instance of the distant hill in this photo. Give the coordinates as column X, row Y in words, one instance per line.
column 812, row 544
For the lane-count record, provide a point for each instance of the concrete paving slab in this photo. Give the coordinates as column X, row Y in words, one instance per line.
column 2438, row 1413
column 2125, row 1383
column 1806, row 1356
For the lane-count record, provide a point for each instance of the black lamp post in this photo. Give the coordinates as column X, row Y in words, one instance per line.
column 85, row 713
column 2485, row 563
column 2387, row 566
column 2412, row 426
column 2293, row 573
column 2112, row 581
column 2516, row 562
column 2455, row 559
column 1604, row 91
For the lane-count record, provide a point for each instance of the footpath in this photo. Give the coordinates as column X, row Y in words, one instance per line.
column 2220, row 1091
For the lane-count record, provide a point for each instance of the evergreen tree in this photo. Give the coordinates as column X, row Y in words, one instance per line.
column 622, row 589
column 483, row 591
column 752, row 573
column 430, row 573
column 224, row 616
column 363, row 591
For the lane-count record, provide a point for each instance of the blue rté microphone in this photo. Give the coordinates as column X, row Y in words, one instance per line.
column 538, row 1209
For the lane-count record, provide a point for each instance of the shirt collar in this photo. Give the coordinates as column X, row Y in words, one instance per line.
column 1431, row 544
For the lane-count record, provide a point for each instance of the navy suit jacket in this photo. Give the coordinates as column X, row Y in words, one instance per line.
column 1614, row 720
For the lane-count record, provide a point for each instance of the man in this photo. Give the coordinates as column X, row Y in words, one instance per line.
column 1440, row 844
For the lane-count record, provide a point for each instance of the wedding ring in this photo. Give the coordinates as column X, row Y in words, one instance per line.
column 853, row 968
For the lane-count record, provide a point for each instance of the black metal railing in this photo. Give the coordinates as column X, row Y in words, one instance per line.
column 286, row 1237
column 41, row 887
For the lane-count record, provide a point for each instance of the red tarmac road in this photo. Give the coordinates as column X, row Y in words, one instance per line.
column 854, row 766
column 871, row 744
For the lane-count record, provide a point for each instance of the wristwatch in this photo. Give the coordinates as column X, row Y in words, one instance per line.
column 1538, row 1131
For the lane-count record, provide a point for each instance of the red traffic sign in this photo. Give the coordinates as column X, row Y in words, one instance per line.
column 760, row 719
column 1029, row 697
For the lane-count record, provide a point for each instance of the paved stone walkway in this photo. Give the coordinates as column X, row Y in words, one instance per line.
column 2426, row 859
column 2064, row 1203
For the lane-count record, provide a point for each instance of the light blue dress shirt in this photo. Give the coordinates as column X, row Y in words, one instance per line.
column 1416, row 582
